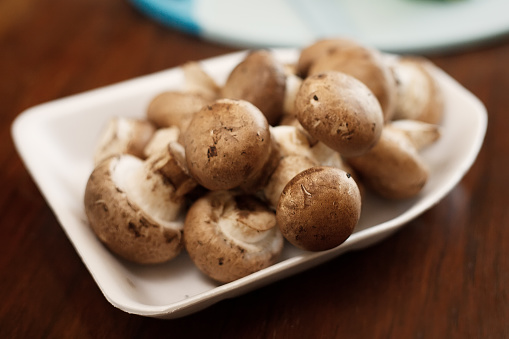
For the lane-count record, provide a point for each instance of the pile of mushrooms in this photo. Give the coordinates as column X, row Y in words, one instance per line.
column 278, row 152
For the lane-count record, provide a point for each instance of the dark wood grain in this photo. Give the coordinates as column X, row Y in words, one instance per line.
column 445, row 275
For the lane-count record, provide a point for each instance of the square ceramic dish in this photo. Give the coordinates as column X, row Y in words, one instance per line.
column 56, row 141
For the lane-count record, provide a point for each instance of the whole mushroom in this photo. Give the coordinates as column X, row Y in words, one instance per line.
column 230, row 235
column 340, row 111
column 319, row 208
column 228, row 145
column 134, row 211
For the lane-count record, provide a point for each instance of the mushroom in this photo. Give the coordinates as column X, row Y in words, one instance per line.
column 368, row 65
column 229, row 144
column 319, row 208
column 133, row 210
column 340, row 111
column 260, row 79
column 393, row 168
column 123, row 136
column 175, row 108
column 229, row 235
column 419, row 94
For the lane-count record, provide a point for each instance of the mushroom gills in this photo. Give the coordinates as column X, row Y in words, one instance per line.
column 149, row 191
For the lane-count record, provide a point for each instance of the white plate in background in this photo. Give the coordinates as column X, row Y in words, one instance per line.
column 56, row 141
column 390, row 25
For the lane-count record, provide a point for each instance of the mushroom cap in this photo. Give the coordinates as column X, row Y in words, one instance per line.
column 134, row 218
column 340, row 111
column 393, row 168
column 311, row 53
column 368, row 66
column 319, row 208
column 230, row 235
column 261, row 80
column 419, row 94
column 228, row 145
column 175, row 108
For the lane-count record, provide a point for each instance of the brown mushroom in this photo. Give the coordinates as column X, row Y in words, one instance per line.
column 319, row 208
column 228, row 145
column 260, row 79
column 230, row 235
column 340, row 111
column 133, row 210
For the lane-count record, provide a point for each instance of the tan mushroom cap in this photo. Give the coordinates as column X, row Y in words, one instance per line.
column 135, row 218
column 261, row 80
column 368, row 66
column 319, row 208
column 393, row 168
column 228, row 145
column 340, row 111
column 175, row 108
column 229, row 235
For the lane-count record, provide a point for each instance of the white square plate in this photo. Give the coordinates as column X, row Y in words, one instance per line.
column 56, row 141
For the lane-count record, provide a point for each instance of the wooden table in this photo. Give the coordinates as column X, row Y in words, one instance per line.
column 444, row 275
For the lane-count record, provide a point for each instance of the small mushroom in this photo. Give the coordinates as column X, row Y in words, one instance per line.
column 419, row 94
column 175, row 108
column 229, row 144
column 340, row 111
column 319, row 208
column 367, row 65
column 123, row 136
column 260, row 79
column 393, row 168
column 230, row 235
column 133, row 210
